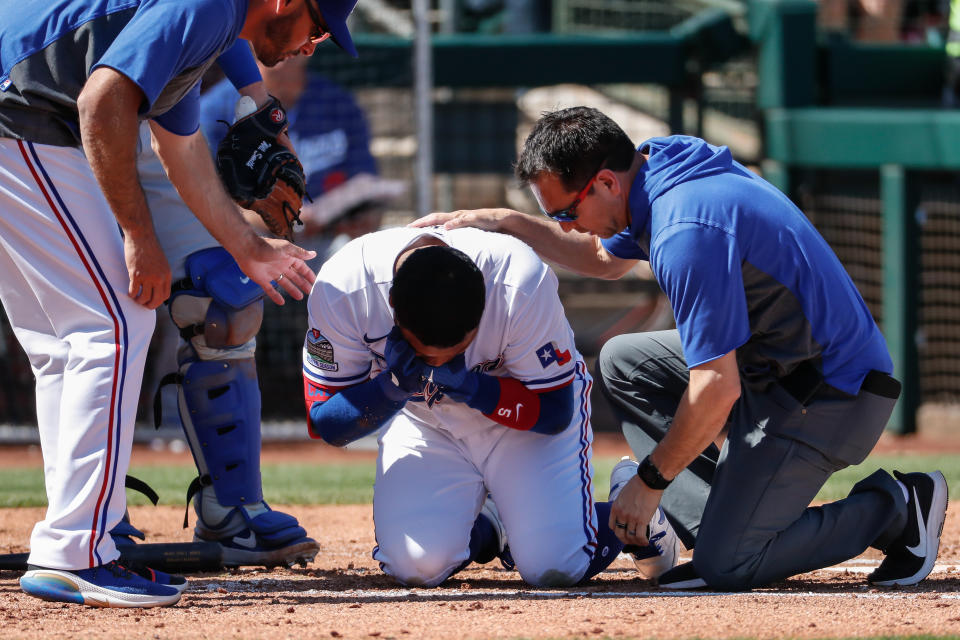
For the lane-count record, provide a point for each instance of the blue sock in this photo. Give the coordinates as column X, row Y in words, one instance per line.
column 608, row 544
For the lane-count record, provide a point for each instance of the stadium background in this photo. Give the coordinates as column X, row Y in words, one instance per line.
column 850, row 126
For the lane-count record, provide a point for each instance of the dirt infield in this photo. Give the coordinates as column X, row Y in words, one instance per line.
column 343, row 594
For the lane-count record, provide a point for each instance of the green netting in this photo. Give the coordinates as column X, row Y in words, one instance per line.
column 939, row 323
column 846, row 208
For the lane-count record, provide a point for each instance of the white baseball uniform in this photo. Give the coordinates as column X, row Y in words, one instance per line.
column 439, row 458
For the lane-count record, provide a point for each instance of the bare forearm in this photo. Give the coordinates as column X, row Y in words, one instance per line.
column 190, row 169
column 572, row 250
column 108, row 106
column 109, row 131
column 700, row 418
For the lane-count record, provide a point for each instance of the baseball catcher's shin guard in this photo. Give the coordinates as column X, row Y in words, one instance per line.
column 218, row 311
column 220, row 409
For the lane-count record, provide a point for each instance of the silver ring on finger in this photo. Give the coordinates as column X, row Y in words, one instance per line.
column 621, row 525
column 632, row 533
column 279, row 277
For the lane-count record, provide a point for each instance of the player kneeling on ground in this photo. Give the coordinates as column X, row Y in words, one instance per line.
column 458, row 343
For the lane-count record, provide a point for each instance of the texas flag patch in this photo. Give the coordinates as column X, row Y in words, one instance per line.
column 549, row 353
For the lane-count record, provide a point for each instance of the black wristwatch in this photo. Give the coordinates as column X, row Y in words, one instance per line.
column 650, row 475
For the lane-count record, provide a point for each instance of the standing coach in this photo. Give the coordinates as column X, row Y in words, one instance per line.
column 81, row 266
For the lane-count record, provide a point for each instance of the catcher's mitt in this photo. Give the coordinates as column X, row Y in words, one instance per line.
column 260, row 173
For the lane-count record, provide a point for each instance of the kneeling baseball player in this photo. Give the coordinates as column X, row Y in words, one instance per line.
column 458, row 343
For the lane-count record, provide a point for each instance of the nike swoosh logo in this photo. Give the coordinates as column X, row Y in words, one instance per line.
column 370, row 340
column 921, row 549
column 249, row 541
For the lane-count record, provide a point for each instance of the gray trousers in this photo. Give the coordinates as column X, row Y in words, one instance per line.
column 746, row 507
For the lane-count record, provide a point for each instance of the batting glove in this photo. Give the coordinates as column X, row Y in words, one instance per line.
column 405, row 373
column 456, row 381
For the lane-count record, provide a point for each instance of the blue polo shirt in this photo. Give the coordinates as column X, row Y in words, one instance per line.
column 744, row 269
column 48, row 50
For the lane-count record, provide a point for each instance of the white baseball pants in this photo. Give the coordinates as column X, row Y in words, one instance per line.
column 64, row 288
column 430, row 487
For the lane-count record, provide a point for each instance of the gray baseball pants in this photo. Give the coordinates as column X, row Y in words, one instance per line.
column 746, row 506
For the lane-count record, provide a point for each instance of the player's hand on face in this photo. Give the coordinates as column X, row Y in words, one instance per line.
column 456, row 381
column 272, row 259
column 149, row 271
column 631, row 512
column 408, row 370
column 487, row 219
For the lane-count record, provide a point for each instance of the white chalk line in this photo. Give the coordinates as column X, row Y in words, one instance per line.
column 475, row 594
column 267, row 586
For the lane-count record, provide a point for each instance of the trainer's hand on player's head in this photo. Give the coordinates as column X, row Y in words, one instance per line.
column 272, row 260
column 487, row 219
column 149, row 271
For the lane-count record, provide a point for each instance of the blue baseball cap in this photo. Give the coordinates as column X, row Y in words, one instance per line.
column 335, row 14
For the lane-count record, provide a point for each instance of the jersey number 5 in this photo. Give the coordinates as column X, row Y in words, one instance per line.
column 503, row 412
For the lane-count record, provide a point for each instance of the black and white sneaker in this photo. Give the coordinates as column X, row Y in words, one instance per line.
column 682, row 576
column 911, row 557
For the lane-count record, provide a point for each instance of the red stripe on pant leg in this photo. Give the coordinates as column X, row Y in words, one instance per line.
column 117, row 353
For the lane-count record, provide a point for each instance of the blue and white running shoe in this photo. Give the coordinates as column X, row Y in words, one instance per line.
column 109, row 585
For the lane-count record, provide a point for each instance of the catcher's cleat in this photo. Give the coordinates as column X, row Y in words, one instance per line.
column 663, row 551
column 911, row 557
column 270, row 539
column 109, row 585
